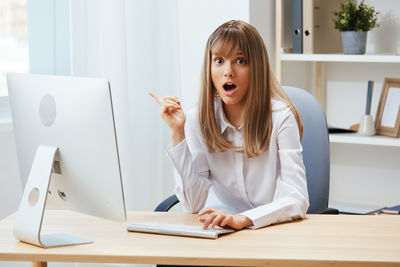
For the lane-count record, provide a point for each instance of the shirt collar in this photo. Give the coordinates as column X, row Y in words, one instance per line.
column 220, row 116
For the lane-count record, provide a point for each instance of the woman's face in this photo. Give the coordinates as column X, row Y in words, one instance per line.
column 230, row 76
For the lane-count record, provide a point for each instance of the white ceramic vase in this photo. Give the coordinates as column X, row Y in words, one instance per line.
column 367, row 127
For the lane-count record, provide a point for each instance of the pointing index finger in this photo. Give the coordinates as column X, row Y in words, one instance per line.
column 156, row 98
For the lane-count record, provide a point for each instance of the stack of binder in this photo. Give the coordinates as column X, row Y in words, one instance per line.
column 312, row 30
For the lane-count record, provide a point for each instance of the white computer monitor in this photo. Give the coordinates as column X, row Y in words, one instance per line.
column 67, row 151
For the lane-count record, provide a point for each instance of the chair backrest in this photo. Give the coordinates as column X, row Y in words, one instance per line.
column 315, row 144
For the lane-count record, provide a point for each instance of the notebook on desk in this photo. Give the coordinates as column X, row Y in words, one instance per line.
column 177, row 229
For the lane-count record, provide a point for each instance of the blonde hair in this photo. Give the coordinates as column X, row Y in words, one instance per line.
column 257, row 113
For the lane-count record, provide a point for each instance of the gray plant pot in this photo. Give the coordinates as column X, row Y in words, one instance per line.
column 354, row 42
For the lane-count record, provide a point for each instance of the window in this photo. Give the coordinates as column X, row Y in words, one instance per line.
column 14, row 52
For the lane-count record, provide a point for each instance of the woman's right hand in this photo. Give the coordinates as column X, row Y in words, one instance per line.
column 173, row 115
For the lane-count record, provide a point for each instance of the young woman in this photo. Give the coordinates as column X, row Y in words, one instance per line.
column 237, row 154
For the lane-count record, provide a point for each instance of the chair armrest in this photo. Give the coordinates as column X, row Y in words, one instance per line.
column 167, row 204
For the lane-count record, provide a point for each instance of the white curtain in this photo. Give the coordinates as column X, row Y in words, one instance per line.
column 134, row 45
column 142, row 46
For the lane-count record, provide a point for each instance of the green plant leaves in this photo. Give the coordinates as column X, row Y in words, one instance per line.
column 351, row 17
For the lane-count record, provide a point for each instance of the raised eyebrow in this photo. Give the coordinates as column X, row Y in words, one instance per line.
column 239, row 53
column 215, row 56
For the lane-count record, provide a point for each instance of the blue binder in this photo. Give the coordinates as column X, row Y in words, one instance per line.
column 297, row 26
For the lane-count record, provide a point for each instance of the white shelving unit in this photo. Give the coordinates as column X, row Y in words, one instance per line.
column 318, row 61
column 353, row 138
column 341, row 58
column 365, row 169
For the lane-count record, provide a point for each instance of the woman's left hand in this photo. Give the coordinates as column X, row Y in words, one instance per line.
column 211, row 217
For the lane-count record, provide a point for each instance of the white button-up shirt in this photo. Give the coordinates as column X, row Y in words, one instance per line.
column 268, row 188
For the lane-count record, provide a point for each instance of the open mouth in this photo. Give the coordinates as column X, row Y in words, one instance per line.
column 229, row 86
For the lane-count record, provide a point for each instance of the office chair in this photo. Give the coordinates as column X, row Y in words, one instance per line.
column 316, row 160
column 315, row 144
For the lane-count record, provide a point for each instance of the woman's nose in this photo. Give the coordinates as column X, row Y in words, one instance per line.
column 228, row 71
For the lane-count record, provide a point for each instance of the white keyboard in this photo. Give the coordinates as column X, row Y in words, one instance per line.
column 177, row 229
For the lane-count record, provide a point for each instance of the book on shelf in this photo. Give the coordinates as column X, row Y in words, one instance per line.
column 391, row 210
column 339, row 130
column 319, row 36
column 352, row 129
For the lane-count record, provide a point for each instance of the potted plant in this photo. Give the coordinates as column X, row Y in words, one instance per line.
column 354, row 22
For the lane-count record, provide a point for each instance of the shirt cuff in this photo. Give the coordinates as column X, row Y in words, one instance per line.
column 282, row 210
column 174, row 152
column 260, row 220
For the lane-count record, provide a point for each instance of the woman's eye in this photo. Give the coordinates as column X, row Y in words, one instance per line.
column 240, row 61
column 218, row 61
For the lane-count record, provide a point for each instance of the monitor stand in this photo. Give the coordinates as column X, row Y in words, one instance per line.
column 29, row 218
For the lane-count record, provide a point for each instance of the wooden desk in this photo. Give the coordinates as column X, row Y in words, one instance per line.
column 315, row 241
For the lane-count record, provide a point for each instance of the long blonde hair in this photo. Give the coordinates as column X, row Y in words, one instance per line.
column 257, row 113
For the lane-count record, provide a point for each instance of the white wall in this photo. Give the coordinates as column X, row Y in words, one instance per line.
column 262, row 16
column 197, row 20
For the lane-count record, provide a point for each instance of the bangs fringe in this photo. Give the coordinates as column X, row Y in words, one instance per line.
column 228, row 42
